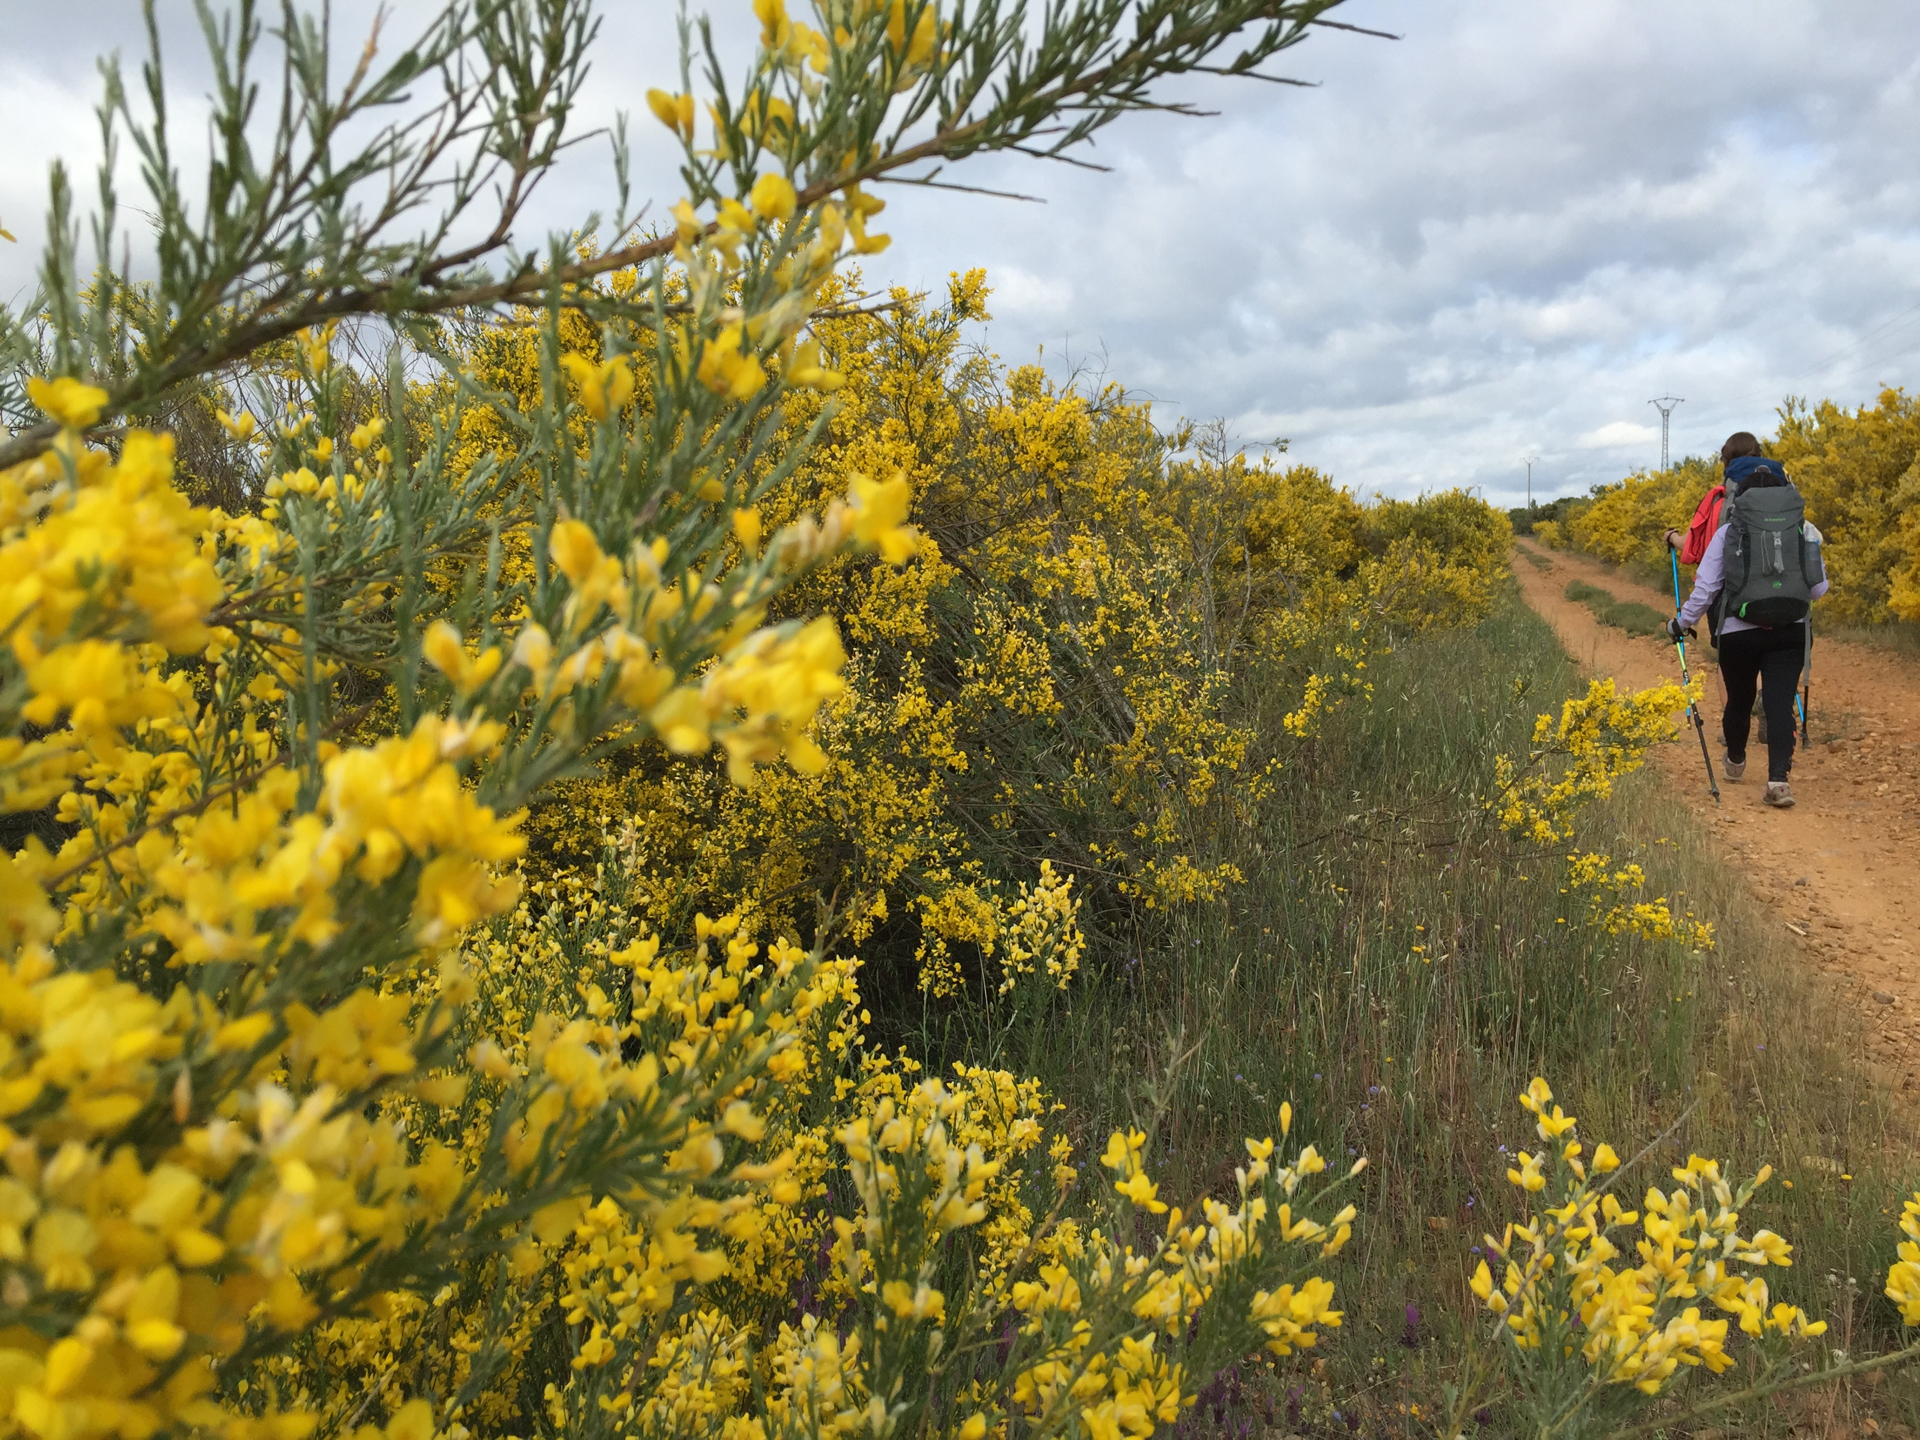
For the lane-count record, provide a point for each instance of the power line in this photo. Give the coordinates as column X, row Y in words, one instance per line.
column 1907, row 347
column 1858, row 345
column 1665, row 406
column 1878, row 334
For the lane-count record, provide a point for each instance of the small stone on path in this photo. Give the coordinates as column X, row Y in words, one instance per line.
column 1884, row 997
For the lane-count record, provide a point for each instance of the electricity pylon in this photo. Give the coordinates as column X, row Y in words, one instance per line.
column 1665, row 405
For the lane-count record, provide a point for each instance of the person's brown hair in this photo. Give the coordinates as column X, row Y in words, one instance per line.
column 1739, row 444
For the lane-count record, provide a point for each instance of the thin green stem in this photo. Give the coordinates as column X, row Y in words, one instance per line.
column 1777, row 1387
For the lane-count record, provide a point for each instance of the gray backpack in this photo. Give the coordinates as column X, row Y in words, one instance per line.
column 1771, row 566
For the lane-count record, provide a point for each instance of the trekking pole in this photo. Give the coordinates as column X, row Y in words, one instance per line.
column 1693, row 710
column 1806, row 685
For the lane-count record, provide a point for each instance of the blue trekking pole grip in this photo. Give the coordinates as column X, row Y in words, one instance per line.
column 1693, row 710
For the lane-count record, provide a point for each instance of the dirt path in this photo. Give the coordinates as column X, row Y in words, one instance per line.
column 1841, row 869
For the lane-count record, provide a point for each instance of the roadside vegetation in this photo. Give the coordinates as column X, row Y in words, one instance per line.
column 648, row 842
column 1633, row 616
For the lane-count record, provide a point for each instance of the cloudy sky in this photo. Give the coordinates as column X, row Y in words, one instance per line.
column 1498, row 236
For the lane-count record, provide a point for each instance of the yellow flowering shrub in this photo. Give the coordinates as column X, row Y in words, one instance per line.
column 1596, row 739
column 320, row 1107
column 1857, row 469
column 1602, row 1307
column 1627, row 520
column 1613, row 904
column 431, row 979
column 1903, row 1278
column 1053, row 669
column 1576, row 758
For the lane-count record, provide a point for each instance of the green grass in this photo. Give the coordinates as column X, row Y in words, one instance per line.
column 1305, row 983
column 1632, row 616
column 1537, row 560
column 1901, row 637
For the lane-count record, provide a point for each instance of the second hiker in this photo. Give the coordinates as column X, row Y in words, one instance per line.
column 1759, row 573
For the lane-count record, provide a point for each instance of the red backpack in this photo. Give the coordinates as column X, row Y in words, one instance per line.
column 1705, row 521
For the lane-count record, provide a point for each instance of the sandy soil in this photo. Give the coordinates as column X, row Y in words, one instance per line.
column 1841, row 870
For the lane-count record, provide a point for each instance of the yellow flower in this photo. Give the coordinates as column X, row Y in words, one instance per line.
column 604, row 387
column 244, row 1033
column 1903, row 1283
column 682, row 722
column 1482, row 1282
column 1553, row 1126
column 686, row 223
column 673, row 111
column 746, row 529
column 726, row 370
column 573, row 548
column 1142, row 1192
column 774, row 24
column 1123, row 1151
column 412, row 1421
column 879, row 508
column 773, row 197
column 239, row 427
column 805, row 370
column 1766, row 1248
column 74, row 403
column 1529, row 1176
column 447, row 652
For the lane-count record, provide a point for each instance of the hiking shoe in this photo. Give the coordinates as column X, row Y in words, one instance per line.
column 1760, row 733
column 1732, row 768
column 1779, row 795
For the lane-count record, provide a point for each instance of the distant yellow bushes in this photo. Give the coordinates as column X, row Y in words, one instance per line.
column 1625, row 521
column 1051, row 673
column 1859, row 471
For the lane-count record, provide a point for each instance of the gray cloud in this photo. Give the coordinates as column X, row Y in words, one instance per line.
column 1498, row 236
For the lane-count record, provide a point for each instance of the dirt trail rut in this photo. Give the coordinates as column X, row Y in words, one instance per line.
column 1841, row 870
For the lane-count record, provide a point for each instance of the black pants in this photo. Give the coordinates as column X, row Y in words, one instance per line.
column 1770, row 659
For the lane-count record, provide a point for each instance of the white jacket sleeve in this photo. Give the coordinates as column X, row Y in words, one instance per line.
column 1812, row 532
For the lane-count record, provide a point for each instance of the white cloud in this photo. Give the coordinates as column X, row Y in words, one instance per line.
column 1495, row 236
column 1491, row 239
column 1619, row 433
column 1023, row 297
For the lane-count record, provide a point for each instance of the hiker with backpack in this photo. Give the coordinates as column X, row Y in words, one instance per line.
column 1706, row 521
column 1760, row 570
column 1739, row 458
